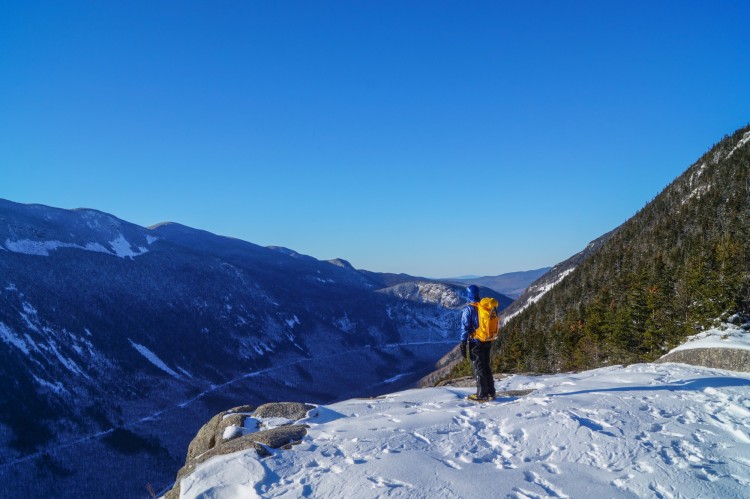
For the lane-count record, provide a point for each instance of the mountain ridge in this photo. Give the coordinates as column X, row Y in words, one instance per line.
column 678, row 264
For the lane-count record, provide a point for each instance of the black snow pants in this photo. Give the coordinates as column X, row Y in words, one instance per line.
column 480, row 361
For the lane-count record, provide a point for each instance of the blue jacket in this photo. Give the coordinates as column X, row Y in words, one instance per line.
column 470, row 315
column 469, row 323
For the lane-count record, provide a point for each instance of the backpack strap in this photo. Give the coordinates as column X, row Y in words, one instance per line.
column 473, row 334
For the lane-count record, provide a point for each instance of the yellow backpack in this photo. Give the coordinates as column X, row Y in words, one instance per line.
column 489, row 323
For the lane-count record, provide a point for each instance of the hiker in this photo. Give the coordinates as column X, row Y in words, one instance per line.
column 478, row 350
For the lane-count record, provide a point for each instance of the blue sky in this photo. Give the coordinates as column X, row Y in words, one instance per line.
column 435, row 138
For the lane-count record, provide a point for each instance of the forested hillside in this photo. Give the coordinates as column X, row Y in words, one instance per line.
column 678, row 264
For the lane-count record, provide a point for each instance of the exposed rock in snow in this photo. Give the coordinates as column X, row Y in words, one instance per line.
column 270, row 426
column 724, row 358
column 724, row 347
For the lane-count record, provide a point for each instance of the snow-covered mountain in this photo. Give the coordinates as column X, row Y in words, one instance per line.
column 646, row 430
column 111, row 332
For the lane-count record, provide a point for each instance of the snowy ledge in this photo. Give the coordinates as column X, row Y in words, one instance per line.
column 725, row 336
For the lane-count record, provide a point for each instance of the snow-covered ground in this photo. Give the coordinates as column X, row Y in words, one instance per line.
column 647, row 430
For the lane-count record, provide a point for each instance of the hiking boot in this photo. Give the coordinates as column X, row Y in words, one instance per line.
column 477, row 398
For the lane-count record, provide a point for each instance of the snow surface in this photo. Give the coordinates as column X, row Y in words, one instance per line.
column 154, row 359
column 699, row 190
column 547, row 287
column 123, row 249
column 42, row 248
column 56, row 387
column 744, row 140
column 647, row 430
column 292, row 322
column 10, row 337
column 120, row 247
column 724, row 336
column 541, row 291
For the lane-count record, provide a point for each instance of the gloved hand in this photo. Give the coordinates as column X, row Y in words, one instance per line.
column 463, row 349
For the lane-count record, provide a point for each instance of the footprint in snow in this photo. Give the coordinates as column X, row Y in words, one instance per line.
column 450, row 464
column 548, row 488
column 596, row 426
column 381, row 482
column 551, row 468
column 390, row 418
column 421, row 437
column 469, row 413
column 660, row 491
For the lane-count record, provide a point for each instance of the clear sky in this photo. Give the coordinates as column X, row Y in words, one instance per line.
column 436, row 138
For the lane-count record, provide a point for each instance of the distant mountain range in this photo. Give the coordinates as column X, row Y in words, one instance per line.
column 118, row 341
column 512, row 284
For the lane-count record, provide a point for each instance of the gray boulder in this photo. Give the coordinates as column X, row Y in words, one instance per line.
column 287, row 410
column 730, row 359
column 210, row 442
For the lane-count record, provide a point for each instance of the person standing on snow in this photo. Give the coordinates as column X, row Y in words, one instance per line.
column 478, row 350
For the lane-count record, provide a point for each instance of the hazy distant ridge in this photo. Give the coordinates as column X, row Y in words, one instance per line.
column 512, row 284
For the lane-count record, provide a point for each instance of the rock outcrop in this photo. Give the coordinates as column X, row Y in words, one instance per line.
column 731, row 359
column 270, row 426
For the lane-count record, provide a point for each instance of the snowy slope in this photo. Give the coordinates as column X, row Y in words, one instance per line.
column 642, row 431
